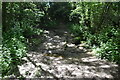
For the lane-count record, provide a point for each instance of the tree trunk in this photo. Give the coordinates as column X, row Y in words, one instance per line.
column 4, row 27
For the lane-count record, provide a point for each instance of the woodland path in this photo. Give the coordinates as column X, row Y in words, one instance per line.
column 58, row 57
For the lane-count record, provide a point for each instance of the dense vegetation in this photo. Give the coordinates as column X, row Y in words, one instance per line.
column 18, row 22
column 97, row 24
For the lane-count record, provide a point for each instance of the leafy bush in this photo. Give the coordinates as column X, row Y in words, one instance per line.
column 98, row 27
column 16, row 31
column 13, row 49
column 78, row 30
column 109, row 51
column 111, row 48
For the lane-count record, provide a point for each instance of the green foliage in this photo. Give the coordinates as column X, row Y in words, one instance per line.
column 77, row 31
column 109, row 51
column 19, row 20
column 60, row 11
column 13, row 48
column 55, row 13
column 50, row 24
column 13, row 51
column 111, row 48
column 30, row 30
column 98, row 27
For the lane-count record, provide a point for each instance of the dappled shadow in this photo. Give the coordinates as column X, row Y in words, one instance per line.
column 59, row 67
column 58, row 56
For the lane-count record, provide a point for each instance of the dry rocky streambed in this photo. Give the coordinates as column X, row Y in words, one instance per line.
column 57, row 57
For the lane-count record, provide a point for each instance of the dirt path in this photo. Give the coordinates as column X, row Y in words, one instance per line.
column 57, row 57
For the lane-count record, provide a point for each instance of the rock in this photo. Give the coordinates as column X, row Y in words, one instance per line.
column 70, row 45
column 82, row 44
column 81, row 48
column 46, row 32
column 63, row 43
